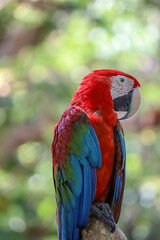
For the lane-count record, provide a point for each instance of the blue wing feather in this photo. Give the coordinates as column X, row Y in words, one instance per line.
column 75, row 179
column 115, row 196
column 123, row 149
column 118, row 183
column 76, row 187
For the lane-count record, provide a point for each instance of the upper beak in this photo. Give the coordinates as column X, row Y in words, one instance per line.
column 129, row 102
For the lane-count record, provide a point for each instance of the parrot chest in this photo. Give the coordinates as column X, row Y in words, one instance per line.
column 105, row 137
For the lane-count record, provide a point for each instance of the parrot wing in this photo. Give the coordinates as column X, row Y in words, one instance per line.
column 115, row 196
column 76, row 155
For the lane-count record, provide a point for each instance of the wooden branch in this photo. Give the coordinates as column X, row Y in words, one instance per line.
column 19, row 134
column 149, row 119
column 14, row 136
column 17, row 39
column 97, row 230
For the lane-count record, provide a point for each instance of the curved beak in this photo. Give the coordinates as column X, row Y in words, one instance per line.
column 128, row 103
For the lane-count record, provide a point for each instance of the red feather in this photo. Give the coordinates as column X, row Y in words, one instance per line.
column 94, row 97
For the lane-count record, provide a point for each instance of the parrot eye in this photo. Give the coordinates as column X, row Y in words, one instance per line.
column 122, row 79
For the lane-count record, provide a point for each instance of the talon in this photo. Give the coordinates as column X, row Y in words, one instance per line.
column 103, row 212
column 113, row 228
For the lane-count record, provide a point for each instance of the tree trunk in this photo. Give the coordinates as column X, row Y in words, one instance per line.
column 97, row 230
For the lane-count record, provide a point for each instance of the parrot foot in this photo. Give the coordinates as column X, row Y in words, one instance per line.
column 102, row 211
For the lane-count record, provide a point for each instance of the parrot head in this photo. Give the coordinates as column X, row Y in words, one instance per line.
column 116, row 89
column 125, row 94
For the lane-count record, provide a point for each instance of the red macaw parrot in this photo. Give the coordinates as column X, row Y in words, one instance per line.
column 88, row 149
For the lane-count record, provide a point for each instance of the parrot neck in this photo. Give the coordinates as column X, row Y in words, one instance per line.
column 96, row 99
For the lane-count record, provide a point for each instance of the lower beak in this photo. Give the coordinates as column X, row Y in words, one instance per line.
column 128, row 103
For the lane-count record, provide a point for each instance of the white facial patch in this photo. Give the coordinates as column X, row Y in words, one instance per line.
column 121, row 85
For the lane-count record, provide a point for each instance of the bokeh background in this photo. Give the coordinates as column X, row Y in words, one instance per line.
column 46, row 47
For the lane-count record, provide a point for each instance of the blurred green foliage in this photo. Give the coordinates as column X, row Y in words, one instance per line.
column 46, row 47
